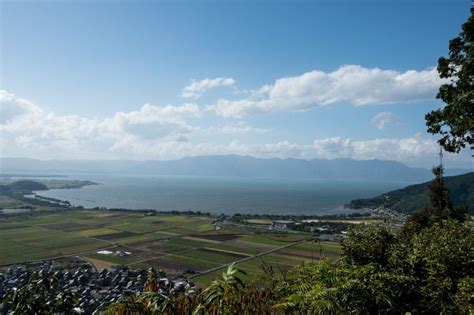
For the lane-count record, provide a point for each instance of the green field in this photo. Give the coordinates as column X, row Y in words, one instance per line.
column 174, row 243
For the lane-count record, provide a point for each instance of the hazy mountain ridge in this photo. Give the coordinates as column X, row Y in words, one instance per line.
column 234, row 165
column 415, row 197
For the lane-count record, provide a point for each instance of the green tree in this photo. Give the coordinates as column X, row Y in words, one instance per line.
column 438, row 259
column 441, row 207
column 455, row 121
column 441, row 204
column 365, row 245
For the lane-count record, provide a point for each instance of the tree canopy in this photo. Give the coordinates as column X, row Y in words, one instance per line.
column 455, row 121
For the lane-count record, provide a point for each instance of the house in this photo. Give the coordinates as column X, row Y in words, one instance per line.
column 282, row 224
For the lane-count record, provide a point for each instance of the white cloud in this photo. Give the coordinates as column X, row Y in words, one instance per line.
column 196, row 88
column 27, row 130
column 382, row 119
column 351, row 83
column 156, row 122
column 30, row 128
column 12, row 107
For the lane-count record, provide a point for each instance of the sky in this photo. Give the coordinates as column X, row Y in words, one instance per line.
column 147, row 80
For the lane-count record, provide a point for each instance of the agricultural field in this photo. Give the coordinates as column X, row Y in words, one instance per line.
column 177, row 244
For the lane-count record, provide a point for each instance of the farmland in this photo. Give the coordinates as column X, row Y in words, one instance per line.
column 175, row 243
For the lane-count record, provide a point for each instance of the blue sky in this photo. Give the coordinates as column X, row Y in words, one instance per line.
column 304, row 79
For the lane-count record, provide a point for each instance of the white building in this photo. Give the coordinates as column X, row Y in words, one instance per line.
column 282, row 224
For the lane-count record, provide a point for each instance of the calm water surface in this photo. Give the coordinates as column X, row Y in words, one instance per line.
column 219, row 194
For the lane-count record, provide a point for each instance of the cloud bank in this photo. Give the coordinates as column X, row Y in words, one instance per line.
column 163, row 132
column 351, row 83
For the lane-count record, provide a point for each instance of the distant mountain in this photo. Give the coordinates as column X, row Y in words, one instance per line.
column 233, row 165
column 414, row 197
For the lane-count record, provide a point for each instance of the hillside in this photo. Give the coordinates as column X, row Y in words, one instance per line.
column 411, row 198
column 26, row 186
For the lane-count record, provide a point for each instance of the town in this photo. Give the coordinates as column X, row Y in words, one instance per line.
column 90, row 291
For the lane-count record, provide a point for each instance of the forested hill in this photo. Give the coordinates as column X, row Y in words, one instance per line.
column 414, row 197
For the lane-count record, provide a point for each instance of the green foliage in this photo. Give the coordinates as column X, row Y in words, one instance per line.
column 465, row 296
column 341, row 288
column 221, row 291
column 437, row 258
column 366, row 245
column 128, row 306
column 38, row 297
column 444, row 254
column 455, row 122
column 429, row 274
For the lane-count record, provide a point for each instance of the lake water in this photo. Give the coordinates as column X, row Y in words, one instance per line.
column 220, row 194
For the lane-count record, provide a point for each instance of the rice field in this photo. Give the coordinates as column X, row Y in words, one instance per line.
column 177, row 244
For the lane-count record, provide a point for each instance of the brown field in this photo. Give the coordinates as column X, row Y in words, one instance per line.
column 99, row 264
column 165, row 264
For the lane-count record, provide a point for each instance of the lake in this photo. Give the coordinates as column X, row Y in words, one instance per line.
column 220, row 194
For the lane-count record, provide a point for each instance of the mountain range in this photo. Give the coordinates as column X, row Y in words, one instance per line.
column 231, row 165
